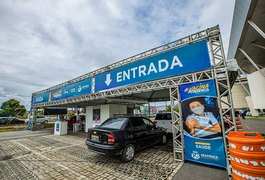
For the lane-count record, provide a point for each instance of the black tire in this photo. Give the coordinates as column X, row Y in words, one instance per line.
column 128, row 153
column 45, row 122
column 163, row 139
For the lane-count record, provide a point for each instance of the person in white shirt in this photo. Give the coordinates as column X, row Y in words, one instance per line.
column 200, row 123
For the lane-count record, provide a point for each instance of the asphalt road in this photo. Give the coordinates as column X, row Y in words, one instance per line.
column 196, row 171
column 255, row 125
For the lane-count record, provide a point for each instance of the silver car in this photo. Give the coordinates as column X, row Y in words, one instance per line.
column 42, row 119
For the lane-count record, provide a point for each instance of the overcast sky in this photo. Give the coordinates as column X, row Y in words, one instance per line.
column 43, row 43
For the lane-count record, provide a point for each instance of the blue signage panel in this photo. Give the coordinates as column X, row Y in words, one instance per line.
column 41, row 98
column 204, row 88
column 77, row 89
column 187, row 59
column 203, row 138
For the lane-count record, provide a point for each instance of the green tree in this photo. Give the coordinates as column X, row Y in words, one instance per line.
column 12, row 108
column 168, row 108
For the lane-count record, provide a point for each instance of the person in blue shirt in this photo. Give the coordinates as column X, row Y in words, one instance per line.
column 200, row 123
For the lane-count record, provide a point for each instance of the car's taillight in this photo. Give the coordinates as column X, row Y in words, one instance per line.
column 111, row 139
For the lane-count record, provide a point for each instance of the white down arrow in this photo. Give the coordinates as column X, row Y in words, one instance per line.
column 108, row 80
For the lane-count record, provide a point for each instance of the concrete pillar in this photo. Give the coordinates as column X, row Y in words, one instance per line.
column 117, row 109
column 89, row 117
column 109, row 110
column 238, row 95
column 256, row 84
column 253, row 111
column 104, row 112
column 77, row 116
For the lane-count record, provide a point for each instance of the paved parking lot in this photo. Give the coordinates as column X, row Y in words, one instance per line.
column 45, row 156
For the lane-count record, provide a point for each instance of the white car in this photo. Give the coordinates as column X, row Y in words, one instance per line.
column 41, row 119
column 164, row 120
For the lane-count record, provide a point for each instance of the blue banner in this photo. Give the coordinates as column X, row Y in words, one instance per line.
column 41, row 98
column 190, row 58
column 76, row 89
column 198, row 89
column 206, row 151
column 203, row 138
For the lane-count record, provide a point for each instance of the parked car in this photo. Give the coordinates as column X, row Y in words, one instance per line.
column 41, row 119
column 124, row 136
column 164, row 120
column 10, row 120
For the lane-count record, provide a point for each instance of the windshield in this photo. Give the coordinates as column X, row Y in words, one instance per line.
column 114, row 123
column 163, row 116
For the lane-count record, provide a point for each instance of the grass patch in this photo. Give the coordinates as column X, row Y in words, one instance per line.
column 256, row 117
column 12, row 128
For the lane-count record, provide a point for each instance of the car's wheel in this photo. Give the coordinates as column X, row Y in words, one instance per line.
column 128, row 153
column 164, row 139
column 45, row 122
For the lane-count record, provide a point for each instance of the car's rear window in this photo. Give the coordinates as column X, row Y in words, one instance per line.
column 166, row 116
column 114, row 123
column 159, row 116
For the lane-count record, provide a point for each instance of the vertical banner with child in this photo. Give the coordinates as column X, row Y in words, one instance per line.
column 203, row 138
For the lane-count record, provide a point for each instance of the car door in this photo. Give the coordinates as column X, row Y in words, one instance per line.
column 139, row 132
column 152, row 131
column 40, row 119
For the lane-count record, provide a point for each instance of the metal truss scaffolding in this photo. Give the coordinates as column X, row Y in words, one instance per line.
column 218, row 72
column 152, row 52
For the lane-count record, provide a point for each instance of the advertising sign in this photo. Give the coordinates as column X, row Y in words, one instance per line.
column 41, row 98
column 76, row 89
column 203, row 138
column 190, row 58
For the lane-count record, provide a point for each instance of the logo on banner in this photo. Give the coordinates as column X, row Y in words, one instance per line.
column 195, row 155
column 201, row 88
column 79, row 89
column 210, row 157
column 39, row 99
column 57, row 94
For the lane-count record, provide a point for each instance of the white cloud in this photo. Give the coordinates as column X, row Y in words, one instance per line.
column 43, row 43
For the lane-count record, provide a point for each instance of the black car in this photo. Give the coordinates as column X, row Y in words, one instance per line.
column 124, row 135
column 10, row 120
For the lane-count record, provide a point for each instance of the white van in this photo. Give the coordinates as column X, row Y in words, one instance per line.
column 164, row 120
